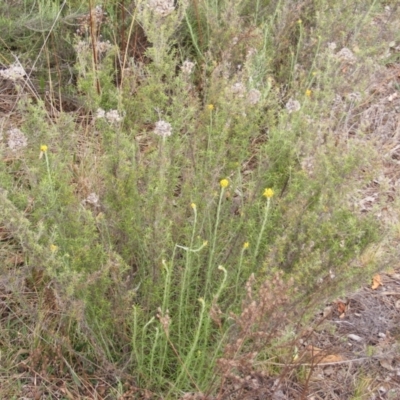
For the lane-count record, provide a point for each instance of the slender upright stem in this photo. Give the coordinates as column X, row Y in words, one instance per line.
column 214, row 241
column 267, row 207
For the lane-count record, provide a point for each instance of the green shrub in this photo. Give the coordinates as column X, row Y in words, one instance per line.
column 189, row 180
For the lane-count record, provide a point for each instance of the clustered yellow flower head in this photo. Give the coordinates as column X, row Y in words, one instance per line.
column 43, row 148
column 308, row 92
column 268, row 193
column 224, row 183
column 210, row 107
column 193, row 205
column 246, row 245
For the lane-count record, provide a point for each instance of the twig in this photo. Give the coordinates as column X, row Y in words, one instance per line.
column 315, row 364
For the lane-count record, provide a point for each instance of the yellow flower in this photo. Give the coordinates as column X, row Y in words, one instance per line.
column 268, row 193
column 308, row 92
column 224, row 183
column 193, row 205
column 53, row 248
column 246, row 245
column 210, row 107
column 43, row 148
column 299, row 21
column 205, row 242
column 314, row 73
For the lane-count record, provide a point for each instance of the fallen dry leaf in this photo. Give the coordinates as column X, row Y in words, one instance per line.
column 376, row 282
column 341, row 307
column 316, row 356
column 332, row 358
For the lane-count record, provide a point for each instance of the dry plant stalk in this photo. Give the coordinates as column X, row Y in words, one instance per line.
column 261, row 321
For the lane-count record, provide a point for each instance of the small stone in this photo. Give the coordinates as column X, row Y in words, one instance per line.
column 355, row 337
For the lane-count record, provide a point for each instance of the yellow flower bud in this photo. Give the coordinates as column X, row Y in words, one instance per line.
column 224, row 183
column 268, row 193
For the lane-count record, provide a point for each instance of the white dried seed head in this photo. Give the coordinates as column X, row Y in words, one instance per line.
column 238, row 89
column 332, row 46
column 347, row 55
column 100, row 113
column 103, row 47
column 113, row 116
column 161, row 7
column 163, row 129
column 14, row 73
column 187, row 67
column 92, row 199
column 292, row 106
column 254, row 96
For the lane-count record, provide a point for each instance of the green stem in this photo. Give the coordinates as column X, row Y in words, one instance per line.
column 48, row 168
column 153, row 350
column 189, row 356
column 221, row 287
column 135, row 337
column 214, row 240
column 207, row 335
column 167, row 285
column 144, row 329
column 267, row 207
column 193, row 35
column 208, row 155
column 187, row 273
column 238, row 272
